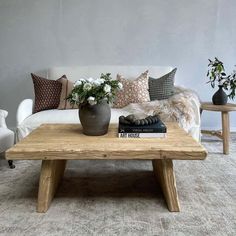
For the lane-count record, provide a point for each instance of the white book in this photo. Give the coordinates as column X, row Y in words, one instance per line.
column 142, row 135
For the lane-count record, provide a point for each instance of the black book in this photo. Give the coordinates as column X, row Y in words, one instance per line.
column 158, row 127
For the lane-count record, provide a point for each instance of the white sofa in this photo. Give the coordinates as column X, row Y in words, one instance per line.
column 26, row 121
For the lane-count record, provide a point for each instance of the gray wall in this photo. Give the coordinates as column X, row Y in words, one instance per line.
column 35, row 35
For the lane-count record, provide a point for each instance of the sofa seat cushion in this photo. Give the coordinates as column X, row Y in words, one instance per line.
column 56, row 116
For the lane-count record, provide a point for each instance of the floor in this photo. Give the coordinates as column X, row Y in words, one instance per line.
column 123, row 198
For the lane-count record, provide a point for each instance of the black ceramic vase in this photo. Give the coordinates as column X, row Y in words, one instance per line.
column 220, row 97
column 95, row 119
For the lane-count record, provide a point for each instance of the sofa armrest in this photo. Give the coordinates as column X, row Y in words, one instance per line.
column 25, row 109
column 196, row 105
column 193, row 98
column 195, row 101
column 3, row 115
column 196, row 131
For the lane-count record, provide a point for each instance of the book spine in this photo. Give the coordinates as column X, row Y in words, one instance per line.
column 141, row 135
column 142, row 130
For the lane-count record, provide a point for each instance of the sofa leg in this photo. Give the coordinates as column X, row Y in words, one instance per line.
column 11, row 165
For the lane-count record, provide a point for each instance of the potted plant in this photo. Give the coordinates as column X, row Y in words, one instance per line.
column 93, row 97
column 216, row 74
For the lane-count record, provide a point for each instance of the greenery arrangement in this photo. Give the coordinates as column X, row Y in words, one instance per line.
column 216, row 74
column 93, row 91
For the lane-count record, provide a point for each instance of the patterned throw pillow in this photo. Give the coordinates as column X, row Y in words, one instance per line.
column 67, row 87
column 163, row 87
column 47, row 93
column 134, row 91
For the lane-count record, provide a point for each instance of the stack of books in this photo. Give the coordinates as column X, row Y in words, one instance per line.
column 157, row 130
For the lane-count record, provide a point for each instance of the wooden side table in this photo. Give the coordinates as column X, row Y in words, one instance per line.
column 225, row 133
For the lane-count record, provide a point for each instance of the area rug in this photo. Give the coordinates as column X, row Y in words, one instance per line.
column 123, row 198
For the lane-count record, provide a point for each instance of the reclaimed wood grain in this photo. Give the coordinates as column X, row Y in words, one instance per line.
column 164, row 172
column 51, row 173
column 66, row 141
column 209, row 106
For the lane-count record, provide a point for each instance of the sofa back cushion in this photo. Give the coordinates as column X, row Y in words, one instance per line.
column 130, row 71
column 47, row 93
column 134, row 91
column 163, row 87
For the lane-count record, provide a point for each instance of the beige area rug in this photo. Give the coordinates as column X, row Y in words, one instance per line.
column 123, row 198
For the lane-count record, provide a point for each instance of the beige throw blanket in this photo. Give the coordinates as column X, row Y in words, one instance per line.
column 181, row 107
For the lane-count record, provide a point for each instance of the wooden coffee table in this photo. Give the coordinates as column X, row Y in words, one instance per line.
column 54, row 144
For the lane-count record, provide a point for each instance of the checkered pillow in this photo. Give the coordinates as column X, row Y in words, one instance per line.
column 163, row 87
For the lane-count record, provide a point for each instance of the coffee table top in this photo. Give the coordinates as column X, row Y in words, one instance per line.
column 67, row 142
column 209, row 106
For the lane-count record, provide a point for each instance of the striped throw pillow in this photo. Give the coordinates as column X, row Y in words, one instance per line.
column 67, row 87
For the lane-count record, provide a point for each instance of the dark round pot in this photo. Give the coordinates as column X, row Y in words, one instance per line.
column 220, row 97
column 95, row 119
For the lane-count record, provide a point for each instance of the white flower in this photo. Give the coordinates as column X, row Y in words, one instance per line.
column 120, row 85
column 75, row 97
column 90, row 80
column 107, row 88
column 91, row 101
column 82, row 80
column 78, row 83
column 97, row 82
column 87, row 86
column 101, row 81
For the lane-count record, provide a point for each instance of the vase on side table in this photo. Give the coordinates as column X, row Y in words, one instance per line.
column 220, row 97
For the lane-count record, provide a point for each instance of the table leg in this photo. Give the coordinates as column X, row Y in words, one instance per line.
column 164, row 173
column 51, row 173
column 225, row 132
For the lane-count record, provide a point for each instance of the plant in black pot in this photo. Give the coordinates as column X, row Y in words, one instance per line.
column 93, row 97
column 216, row 74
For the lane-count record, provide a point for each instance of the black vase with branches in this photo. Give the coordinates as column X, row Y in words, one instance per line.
column 216, row 74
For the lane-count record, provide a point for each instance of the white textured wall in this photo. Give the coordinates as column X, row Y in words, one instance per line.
column 35, row 35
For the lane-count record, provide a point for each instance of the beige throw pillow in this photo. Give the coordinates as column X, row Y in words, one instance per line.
column 67, row 87
column 134, row 91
